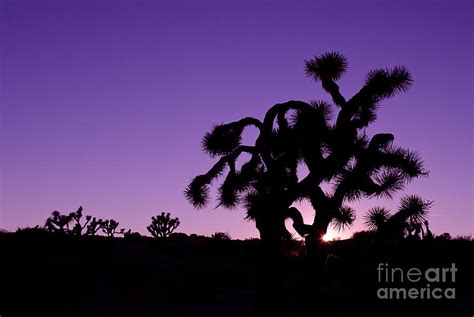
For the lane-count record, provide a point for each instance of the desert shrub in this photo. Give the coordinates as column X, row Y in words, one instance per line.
column 179, row 236
column 463, row 238
column 131, row 234
column 444, row 236
column 32, row 230
column 221, row 236
column 363, row 235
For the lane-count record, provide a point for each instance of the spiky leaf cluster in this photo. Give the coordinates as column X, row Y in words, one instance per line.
column 412, row 213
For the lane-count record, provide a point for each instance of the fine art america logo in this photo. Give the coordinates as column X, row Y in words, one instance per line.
column 415, row 283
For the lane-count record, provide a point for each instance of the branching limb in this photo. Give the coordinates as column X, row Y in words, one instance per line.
column 197, row 191
column 298, row 222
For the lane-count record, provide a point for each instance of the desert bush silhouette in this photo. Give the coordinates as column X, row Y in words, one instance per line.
column 162, row 225
column 36, row 230
column 220, row 236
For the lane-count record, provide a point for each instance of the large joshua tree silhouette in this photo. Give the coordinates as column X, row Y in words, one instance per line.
column 335, row 150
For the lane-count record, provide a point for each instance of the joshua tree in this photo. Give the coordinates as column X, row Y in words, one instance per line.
column 58, row 222
column 335, row 152
column 94, row 226
column 162, row 225
column 407, row 221
column 109, row 227
column 78, row 227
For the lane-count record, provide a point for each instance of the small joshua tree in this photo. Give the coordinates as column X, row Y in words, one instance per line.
column 162, row 225
column 58, row 222
column 109, row 227
column 61, row 223
column 94, row 226
column 78, row 227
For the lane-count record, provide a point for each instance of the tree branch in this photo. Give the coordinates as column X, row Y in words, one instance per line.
column 333, row 89
column 298, row 222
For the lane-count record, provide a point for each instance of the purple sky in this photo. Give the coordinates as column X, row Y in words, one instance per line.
column 104, row 103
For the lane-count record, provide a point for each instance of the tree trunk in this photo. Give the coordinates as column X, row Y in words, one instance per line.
column 314, row 242
column 271, row 274
column 315, row 261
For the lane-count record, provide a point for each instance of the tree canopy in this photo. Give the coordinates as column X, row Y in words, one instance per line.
column 329, row 140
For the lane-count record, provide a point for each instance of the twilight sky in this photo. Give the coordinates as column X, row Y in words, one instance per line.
column 104, row 103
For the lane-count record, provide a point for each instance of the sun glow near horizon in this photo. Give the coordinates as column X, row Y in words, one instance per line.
column 331, row 235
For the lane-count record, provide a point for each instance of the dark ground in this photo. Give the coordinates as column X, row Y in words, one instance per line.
column 45, row 275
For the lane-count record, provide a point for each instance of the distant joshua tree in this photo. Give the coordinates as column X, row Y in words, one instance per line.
column 58, row 222
column 335, row 150
column 163, row 225
column 406, row 222
column 78, row 227
column 94, row 226
column 61, row 223
column 109, row 227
